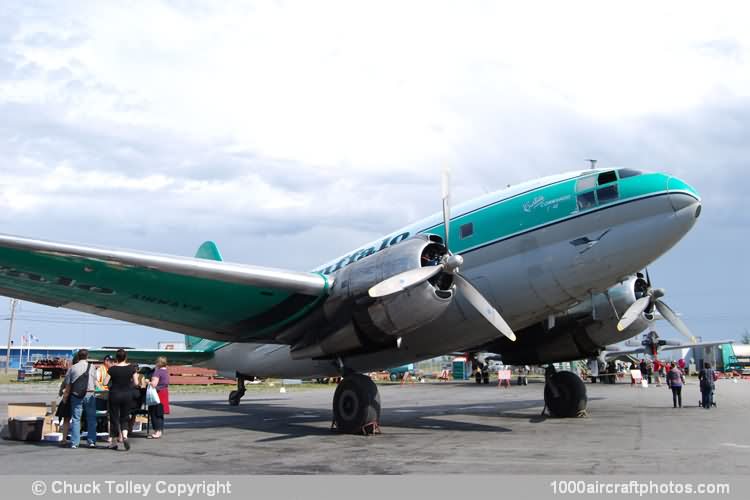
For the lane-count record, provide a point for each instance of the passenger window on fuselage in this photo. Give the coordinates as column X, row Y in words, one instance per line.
column 607, row 194
column 586, row 200
column 607, row 177
column 466, row 230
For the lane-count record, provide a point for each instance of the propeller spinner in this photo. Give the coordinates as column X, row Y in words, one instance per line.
column 449, row 263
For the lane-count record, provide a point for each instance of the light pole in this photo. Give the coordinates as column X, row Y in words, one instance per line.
column 13, row 303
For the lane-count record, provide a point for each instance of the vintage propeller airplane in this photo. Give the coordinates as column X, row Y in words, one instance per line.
column 540, row 272
column 652, row 344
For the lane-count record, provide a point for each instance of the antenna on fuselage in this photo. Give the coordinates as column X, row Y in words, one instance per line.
column 593, row 163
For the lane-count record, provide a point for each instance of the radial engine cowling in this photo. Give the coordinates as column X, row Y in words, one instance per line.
column 582, row 331
column 603, row 329
column 399, row 313
column 356, row 322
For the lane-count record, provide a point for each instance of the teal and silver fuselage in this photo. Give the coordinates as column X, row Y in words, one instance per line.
column 534, row 250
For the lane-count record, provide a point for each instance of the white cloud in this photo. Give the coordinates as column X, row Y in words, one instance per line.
column 357, row 86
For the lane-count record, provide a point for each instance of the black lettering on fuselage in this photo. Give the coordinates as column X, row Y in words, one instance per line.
column 398, row 239
column 366, row 253
column 361, row 254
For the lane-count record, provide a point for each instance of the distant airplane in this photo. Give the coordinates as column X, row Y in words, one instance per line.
column 541, row 272
column 652, row 345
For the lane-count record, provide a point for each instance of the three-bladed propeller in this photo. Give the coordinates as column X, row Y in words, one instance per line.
column 652, row 299
column 450, row 264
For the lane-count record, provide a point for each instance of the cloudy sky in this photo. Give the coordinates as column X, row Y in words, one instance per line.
column 291, row 132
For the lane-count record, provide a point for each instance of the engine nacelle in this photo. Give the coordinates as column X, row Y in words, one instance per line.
column 582, row 331
column 602, row 324
column 363, row 321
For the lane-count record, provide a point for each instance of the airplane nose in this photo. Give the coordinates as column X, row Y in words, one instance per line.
column 682, row 201
column 683, row 197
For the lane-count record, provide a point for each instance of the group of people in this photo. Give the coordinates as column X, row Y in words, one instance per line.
column 116, row 386
column 674, row 374
column 706, row 379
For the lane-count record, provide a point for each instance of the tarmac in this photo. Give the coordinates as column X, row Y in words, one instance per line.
column 428, row 428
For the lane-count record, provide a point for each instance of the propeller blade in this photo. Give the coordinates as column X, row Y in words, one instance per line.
column 648, row 278
column 446, row 205
column 674, row 320
column 475, row 298
column 402, row 281
column 633, row 312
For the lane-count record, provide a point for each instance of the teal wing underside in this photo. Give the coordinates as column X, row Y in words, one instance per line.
column 148, row 356
column 205, row 299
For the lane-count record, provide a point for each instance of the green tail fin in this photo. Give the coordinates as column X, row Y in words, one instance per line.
column 209, row 251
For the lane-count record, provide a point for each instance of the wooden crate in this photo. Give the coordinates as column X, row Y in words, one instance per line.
column 191, row 370
column 189, row 380
column 193, row 375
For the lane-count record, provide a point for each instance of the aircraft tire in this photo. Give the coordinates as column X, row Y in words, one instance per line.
column 356, row 404
column 234, row 400
column 571, row 399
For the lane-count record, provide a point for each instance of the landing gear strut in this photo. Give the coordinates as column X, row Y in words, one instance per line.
column 564, row 394
column 235, row 396
column 356, row 405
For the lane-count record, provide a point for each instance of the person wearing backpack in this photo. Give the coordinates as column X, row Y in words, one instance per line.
column 80, row 384
column 707, row 376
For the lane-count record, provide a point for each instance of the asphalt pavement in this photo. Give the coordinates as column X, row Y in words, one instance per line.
column 432, row 428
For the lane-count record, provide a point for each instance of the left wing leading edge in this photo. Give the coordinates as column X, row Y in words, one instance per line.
column 199, row 297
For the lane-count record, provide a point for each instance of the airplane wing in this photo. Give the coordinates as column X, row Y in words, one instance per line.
column 697, row 344
column 147, row 356
column 194, row 296
column 611, row 354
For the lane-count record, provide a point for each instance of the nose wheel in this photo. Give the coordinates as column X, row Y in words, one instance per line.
column 356, row 405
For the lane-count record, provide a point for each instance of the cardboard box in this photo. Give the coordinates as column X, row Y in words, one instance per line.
column 49, row 425
column 27, row 410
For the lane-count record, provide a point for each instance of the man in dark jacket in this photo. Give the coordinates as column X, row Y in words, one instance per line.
column 706, row 378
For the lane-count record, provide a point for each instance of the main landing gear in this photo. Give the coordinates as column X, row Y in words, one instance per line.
column 235, row 396
column 564, row 394
column 356, row 405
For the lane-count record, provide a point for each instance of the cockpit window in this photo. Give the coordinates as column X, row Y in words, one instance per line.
column 607, row 177
column 607, row 194
column 624, row 173
column 586, row 200
column 586, row 183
